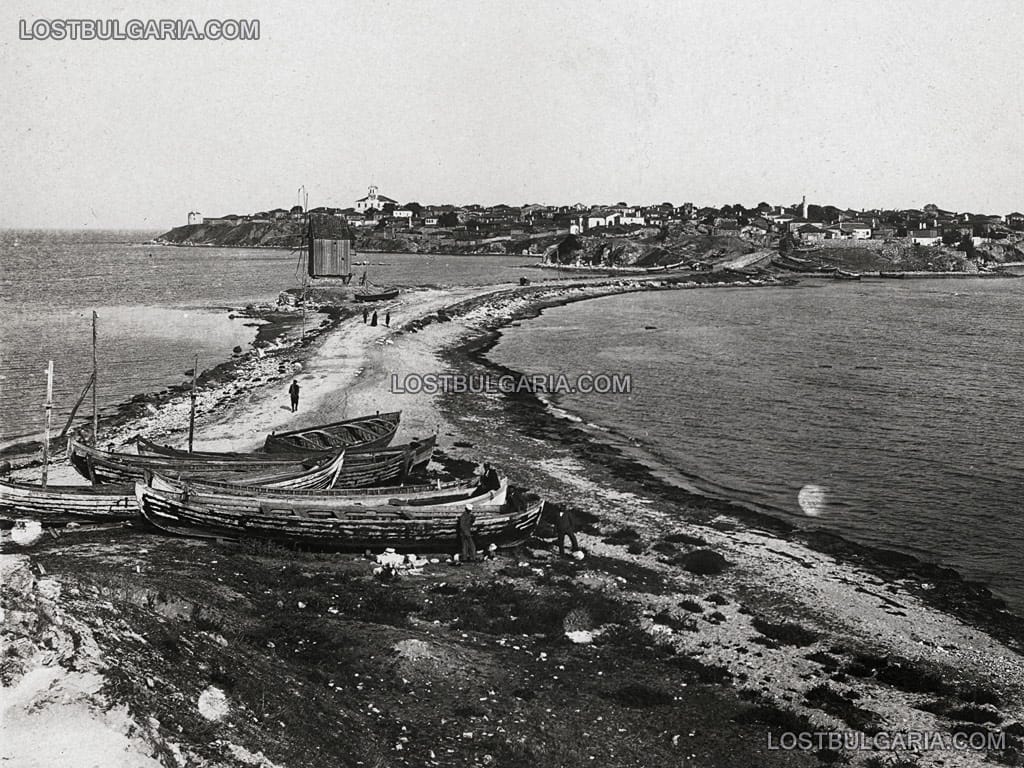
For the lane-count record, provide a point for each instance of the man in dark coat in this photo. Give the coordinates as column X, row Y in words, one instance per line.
column 293, row 390
column 490, row 480
column 373, row 318
column 387, row 318
column 366, row 314
column 566, row 526
column 467, row 547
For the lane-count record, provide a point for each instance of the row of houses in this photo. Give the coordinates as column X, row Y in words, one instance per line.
column 810, row 224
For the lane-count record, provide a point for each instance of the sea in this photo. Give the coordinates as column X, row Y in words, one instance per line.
column 889, row 412
column 157, row 307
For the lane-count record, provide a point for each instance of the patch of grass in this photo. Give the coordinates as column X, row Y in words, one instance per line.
column 978, row 695
column 883, row 761
column 691, row 605
column 684, row 538
column 716, row 599
column 664, row 548
column 829, row 700
column 638, row 696
column 973, row 714
column 666, row 619
column 636, row 548
column 702, row 562
column 706, row 673
column 785, row 633
column 622, row 536
column 776, row 718
column 499, row 608
column 828, row 662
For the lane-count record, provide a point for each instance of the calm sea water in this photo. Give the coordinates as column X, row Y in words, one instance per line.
column 889, row 412
column 157, row 307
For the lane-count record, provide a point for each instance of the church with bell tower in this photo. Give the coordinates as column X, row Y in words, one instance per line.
column 373, row 200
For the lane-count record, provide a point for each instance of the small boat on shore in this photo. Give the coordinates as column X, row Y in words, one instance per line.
column 841, row 274
column 333, row 524
column 892, row 275
column 362, row 433
column 379, row 295
column 99, row 467
column 98, row 502
column 362, row 468
column 454, row 490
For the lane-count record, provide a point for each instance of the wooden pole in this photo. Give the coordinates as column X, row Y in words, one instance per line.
column 49, row 416
column 95, row 382
column 81, row 399
column 192, row 411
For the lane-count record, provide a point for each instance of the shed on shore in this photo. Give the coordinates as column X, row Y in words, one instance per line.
column 330, row 247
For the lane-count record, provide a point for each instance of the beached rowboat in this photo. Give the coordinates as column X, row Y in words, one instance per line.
column 393, row 494
column 361, row 467
column 334, row 525
column 385, row 295
column 362, row 433
column 102, row 502
column 100, row 466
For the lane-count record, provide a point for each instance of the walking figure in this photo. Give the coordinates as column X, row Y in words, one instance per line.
column 373, row 320
column 366, row 314
column 387, row 318
column 566, row 526
column 468, row 548
column 293, row 390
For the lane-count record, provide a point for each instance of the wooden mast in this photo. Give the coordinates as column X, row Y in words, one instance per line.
column 49, row 416
column 95, row 381
column 192, row 410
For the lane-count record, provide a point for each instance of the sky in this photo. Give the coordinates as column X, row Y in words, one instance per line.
column 856, row 104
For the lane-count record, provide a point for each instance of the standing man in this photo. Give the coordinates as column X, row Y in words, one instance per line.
column 387, row 318
column 293, row 390
column 366, row 314
column 566, row 526
column 373, row 319
column 468, row 548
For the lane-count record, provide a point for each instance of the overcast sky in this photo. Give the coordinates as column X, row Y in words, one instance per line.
column 856, row 104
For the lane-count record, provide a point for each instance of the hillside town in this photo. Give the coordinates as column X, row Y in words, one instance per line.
column 622, row 234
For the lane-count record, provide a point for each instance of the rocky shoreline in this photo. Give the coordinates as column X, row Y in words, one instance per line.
column 710, row 631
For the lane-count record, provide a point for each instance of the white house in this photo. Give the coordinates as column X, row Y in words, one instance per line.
column 603, row 219
column 195, row 217
column 373, row 200
column 856, row 230
column 402, row 213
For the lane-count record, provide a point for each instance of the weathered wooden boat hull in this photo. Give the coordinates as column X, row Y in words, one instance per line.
column 101, row 467
column 458, row 489
column 102, row 502
column 388, row 465
column 365, row 432
column 430, row 529
column 379, row 296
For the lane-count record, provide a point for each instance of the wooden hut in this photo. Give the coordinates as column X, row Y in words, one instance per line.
column 330, row 247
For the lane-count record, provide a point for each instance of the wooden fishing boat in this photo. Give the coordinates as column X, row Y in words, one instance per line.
column 841, row 274
column 101, row 502
column 330, row 524
column 454, row 490
column 100, row 466
column 380, row 295
column 364, row 432
column 362, row 468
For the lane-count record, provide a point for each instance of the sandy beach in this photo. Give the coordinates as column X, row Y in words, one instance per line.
column 730, row 630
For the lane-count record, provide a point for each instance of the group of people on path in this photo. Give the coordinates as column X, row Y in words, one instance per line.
column 373, row 319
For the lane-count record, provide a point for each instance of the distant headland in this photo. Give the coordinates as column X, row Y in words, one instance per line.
column 796, row 237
